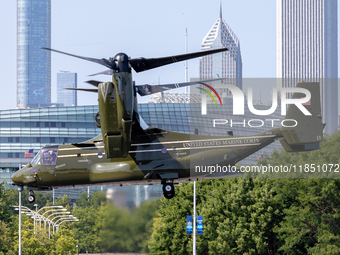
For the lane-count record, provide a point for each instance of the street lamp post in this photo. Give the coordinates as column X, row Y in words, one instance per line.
column 60, row 209
column 51, row 221
column 29, row 212
column 194, row 223
column 49, row 207
column 20, row 188
column 66, row 217
column 61, row 218
column 58, row 212
column 36, row 216
column 65, row 221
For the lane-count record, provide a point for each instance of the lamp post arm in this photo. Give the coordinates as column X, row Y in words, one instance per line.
column 63, row 222
column 52, row 206
column 58, row 217
column 64, row 218
column 22, row 207
column 54, row 210
column 57, row 213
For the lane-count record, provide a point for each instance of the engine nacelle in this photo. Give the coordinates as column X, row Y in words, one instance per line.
column 115, row 121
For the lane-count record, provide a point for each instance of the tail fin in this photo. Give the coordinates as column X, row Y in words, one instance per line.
column 308, row 132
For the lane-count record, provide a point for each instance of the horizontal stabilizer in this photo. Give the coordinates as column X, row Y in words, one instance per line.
column 299, row 147
column 303, row 132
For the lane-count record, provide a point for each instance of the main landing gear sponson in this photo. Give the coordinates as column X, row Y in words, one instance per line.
column 31, row 198
column 168, row 189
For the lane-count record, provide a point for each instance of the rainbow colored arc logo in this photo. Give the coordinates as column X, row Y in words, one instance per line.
column 209, row 93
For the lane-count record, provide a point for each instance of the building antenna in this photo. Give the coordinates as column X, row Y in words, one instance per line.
column 220, row 9
column 186, row 62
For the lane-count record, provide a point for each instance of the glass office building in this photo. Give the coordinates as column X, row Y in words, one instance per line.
column 25, row 129
column 66, row 97
column 33, row 63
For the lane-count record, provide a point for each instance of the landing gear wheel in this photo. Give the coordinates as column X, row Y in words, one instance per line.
column 31, row 198
column 168, row 190
column 169, row 196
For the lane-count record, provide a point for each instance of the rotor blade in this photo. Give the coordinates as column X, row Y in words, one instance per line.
column 143, row 64
column 147, row 89
column 87, row 90
column 94, row 83
column 102, row 61
column 108, row 72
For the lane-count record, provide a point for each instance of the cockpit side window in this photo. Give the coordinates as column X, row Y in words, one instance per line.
column 49, row 156
column 143, row 123
column 36, row 159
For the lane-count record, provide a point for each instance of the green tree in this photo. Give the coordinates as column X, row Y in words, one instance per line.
column 64, row 242
column 38, row 242
column 35, row 242
column 87, row 210
column 6, row 242
column 86, row 229
column 123, row 231
column 141, row 224
column 63, row 201
column 5, row 209
column 95, row 200
column 312, row 222
column 253, row 216
column 239, row 215
column 115, row 234
column 169, row 234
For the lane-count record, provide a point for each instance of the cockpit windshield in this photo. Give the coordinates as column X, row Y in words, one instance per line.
column 49, row 156
column 36, row 159
column 46, row 156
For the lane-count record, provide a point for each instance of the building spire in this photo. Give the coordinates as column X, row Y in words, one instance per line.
column 220, row 9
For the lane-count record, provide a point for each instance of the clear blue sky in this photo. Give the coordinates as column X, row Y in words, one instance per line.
column 150, row 28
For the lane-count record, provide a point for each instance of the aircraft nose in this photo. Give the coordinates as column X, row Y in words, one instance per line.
column 17, row 178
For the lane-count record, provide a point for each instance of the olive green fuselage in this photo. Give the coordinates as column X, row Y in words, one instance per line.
column 159, row 154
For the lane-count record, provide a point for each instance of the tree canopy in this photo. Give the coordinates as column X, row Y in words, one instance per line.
column 259, row 213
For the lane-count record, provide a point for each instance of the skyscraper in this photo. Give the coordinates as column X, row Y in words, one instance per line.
column 307, row 50
column 227, row 64
column 64, row 96
column 33, row 63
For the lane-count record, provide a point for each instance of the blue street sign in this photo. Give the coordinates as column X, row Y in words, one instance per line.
column 199, row 225
column 189, row 225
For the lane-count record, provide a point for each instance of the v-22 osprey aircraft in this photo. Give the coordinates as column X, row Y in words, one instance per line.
column 129, row 152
